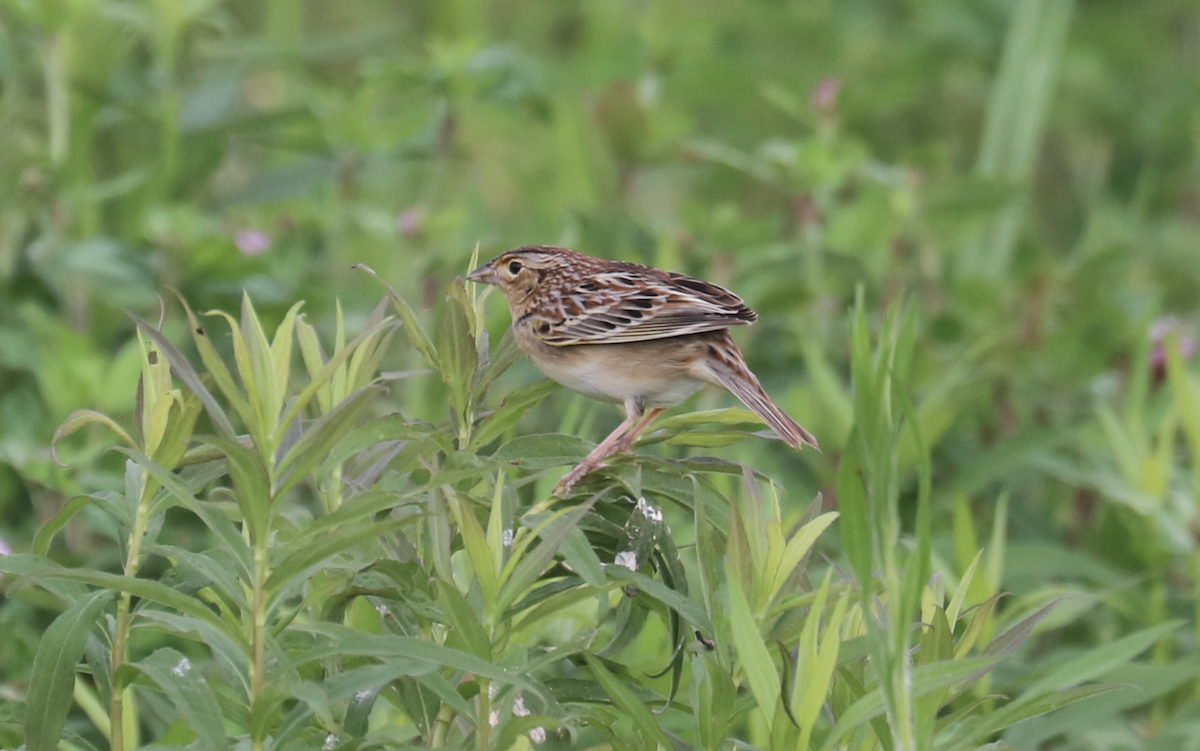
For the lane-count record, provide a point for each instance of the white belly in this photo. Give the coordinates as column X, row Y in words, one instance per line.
column 616, row 380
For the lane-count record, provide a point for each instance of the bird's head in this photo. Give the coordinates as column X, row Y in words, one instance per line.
column 518, row 272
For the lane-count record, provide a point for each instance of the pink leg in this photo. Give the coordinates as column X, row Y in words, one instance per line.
column 626, row 443
column 602, row 451
column 606, row 448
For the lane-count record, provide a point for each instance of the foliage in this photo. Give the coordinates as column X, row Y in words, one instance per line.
column 420, row 591
column 1003, row 192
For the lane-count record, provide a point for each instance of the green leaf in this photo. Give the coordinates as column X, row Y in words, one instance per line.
column 320, row 437
column 852, row 505
column 52, row 676
column 960, row 594
column 1007, row 642
column 309, row 551
column 463, row 621
column 190, row 694
column 322, row 379
column 281, row 354
column 709, row 438
column 226, row 535
column 231, row 656
column 144, row 588
column 937, row 645
column 184, row 371
column 387, row 428
column 513, row 408
column 412, row 327
column 672, row 598
column 731, row 416
column 714, row 699
column 79, row 419
column 1015, row 712
column 438, row 524
column 917, row 565
column 796, row 549
column 41, row 542
column 752, row 651
column 925, row 679
column 626, row 701
column 479, row 551
column 818, row 676
column 525, row 569
column 503, row 356
column 1101, row 660
column 582, row 558
column 208, row 566
column 543, row 450
column 343, row 640
column 251, row 485
column 457, row 350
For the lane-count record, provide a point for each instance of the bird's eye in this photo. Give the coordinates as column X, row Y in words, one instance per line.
column 514, row 267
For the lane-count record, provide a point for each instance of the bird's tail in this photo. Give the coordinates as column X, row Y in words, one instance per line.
column 727, row 369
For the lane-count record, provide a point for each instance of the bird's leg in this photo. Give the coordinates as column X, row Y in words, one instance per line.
column 603, row 450
column 626, row 443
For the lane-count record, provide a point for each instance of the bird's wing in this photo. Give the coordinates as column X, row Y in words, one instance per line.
column 629, row 306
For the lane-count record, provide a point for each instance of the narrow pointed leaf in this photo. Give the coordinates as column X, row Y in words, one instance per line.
column 52, row 677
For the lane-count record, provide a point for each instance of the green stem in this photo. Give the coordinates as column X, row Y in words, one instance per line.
column 483, row 724
column 258, row 635
column 441, row 726
column 116, row 707
column 258, row 631
column 116, row 704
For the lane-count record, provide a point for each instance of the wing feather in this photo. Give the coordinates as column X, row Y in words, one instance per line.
column 636, row 305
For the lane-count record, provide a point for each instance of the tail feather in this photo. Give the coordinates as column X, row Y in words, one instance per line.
column 727, row 369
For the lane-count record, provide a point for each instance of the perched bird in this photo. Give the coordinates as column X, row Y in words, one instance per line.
column 630, row 334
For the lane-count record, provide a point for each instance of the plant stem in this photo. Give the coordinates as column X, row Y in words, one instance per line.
column 483, row 724
column 116, row 704
column 258, row 633
column 441, row 726
column 258, row 630
column 116, row 708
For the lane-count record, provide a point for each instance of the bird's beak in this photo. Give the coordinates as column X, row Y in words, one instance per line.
column 483, row 275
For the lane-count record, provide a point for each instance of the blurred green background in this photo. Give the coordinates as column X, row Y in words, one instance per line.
column 1023, row 173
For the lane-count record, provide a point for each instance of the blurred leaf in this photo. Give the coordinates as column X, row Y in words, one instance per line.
column 1101, row 660
column 1015, row 712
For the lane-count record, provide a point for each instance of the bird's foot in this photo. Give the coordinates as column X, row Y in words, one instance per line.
column 563, row 488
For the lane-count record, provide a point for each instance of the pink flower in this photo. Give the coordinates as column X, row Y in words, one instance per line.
column 252, row 242
column 825, row 94
column 409, row 221
column 1159, row 331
